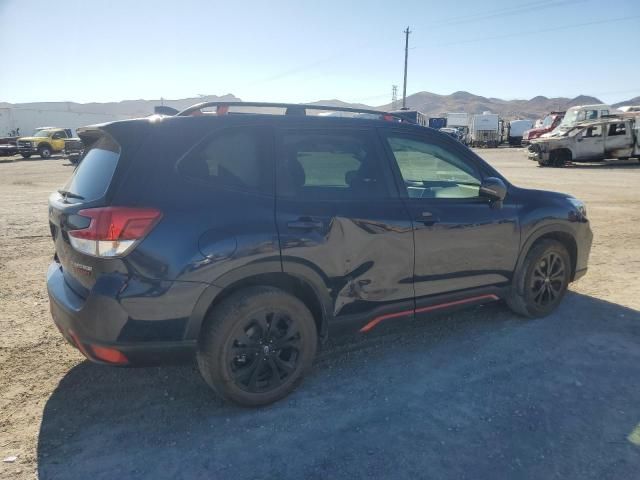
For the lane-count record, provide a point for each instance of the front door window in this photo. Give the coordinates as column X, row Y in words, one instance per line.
column 429, row 171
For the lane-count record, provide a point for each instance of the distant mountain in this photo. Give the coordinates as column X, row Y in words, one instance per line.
column 631, row 101
column 340, row 103
column 125, row 108
column 433, row 104
column 429, row 103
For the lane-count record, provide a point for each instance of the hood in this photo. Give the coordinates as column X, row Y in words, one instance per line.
column 550, row 194
column 31, row 139
column 539, row 130
column 547, row 139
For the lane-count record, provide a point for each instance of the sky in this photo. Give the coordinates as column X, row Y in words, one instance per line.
column 298, row 51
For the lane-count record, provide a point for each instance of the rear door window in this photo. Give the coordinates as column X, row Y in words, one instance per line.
column 92, row 177
column 233, row 158
column 329, row 165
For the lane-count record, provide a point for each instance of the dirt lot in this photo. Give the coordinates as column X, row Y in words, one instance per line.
column 478, row 394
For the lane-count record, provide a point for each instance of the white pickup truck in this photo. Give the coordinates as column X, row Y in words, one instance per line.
column 612, row 136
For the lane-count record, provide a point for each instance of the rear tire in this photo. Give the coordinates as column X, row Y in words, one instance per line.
column 256, row 346
column 543, row 280
column 26, row 155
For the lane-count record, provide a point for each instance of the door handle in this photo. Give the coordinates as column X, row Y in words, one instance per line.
column 305, row 223
column 427, row 218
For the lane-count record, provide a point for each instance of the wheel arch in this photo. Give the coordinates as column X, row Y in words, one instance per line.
column 299, row 287
column 562, row 151
column 558, row 232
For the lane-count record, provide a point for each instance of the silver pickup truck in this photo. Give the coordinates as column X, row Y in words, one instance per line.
column 612, row 136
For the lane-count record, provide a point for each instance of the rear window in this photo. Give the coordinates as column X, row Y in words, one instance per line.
column 93, row 176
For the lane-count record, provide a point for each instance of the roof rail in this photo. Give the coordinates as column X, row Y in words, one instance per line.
column 291, row 108
column 620, row 115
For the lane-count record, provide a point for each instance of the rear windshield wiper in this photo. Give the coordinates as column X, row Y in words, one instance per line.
column 67, row 194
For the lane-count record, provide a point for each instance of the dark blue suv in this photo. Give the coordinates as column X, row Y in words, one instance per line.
column 247, row 239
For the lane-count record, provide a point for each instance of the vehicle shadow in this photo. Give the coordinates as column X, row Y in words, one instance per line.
column 474, row 394
column 631, row 163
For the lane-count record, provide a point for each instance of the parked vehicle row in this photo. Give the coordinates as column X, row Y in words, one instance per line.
column 245, row 240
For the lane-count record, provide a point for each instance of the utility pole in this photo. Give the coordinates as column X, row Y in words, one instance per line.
column 406, row 58
column 394, row 97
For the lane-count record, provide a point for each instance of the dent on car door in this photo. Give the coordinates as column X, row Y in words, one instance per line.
column 339, row 221
column 463, row 242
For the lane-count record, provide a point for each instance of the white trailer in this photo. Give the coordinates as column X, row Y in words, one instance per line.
column 485, row 130
column 455, row 120
column 517, row 129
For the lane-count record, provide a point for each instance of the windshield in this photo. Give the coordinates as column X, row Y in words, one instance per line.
column 571, row 118
column 42, row 133
column 548, row 121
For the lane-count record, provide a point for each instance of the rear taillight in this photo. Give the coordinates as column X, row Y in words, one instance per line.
column 113, row 231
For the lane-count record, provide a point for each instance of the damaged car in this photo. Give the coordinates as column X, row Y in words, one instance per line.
column 610, row 137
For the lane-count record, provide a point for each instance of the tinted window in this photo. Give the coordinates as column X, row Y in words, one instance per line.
column 617, row 129
column 93, row 176
column 591, row 115
column 430, row 171
column 329, row 166
column 230, row 158
column 595, row 131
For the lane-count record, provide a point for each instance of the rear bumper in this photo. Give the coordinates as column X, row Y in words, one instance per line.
column 103, row 323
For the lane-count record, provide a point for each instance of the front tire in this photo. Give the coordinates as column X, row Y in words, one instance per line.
column 26, row 155
column 256, row 346
column 543, row 280
column 559, row 158
column 44, row 152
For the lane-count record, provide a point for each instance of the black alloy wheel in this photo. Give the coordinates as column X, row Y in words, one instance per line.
column 256, row 345
column 541, row 282
column 264, row 351
column 548, row 279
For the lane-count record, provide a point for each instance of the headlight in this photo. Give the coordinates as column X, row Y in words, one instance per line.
column 579, row 206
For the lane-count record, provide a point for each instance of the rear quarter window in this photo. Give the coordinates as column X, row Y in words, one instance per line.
column 92, row 177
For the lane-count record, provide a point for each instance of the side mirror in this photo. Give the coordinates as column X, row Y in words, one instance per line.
column 494, row 189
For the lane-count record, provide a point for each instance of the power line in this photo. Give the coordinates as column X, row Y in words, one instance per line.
column 531, row 32
column 503, row 12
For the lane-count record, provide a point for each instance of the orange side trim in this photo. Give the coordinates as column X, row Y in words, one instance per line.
column 373, row 323
column 382, row 318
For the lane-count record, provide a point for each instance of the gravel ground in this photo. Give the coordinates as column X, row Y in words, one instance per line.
column 479, row 394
